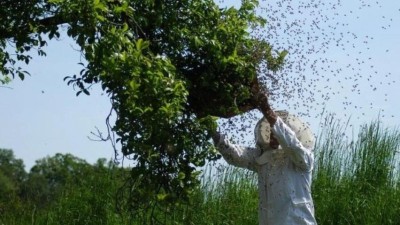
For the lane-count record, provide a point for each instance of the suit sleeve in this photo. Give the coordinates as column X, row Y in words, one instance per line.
column 237, row 155
column 301, row 156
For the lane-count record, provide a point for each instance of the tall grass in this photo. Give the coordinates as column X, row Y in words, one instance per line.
column 356, row 181
column 227, row 195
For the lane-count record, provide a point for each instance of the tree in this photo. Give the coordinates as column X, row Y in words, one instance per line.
column 167, row 66
column 49, row 176
column 12, row 175
column 12, row 168
column 76, row 189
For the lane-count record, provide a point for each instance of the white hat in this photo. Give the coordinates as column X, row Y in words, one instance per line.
column 303, row 132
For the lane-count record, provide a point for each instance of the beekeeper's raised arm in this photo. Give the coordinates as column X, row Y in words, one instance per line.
column 282, row 134
column 234, row 154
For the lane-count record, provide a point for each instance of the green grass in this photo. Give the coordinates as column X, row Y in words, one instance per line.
column 355, row 181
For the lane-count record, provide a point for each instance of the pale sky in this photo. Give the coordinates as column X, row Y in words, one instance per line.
column 41, row 115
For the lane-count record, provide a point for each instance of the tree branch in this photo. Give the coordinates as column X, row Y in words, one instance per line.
column 26, row 28
column 1, row 86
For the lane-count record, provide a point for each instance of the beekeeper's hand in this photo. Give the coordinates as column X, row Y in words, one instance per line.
column 261, row 100
column 216, row 136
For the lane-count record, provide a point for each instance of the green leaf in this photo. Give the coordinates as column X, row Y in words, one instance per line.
column 86, row 91
column 181, row 175
column 162, row 197
column 21, row 75
column 283, row 54
column 197, row 42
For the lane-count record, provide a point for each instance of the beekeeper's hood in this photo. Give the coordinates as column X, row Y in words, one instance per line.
column 262, row 130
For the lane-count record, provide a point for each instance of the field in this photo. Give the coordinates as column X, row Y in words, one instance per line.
column 356, row 181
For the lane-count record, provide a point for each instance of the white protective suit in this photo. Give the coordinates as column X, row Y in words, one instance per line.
column 284, row 174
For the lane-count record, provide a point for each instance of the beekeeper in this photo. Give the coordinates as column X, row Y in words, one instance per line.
column 283, row 159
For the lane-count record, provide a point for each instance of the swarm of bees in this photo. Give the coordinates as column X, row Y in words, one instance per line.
column 330, row 58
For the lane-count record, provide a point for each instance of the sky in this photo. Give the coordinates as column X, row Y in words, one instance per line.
column 41, row 115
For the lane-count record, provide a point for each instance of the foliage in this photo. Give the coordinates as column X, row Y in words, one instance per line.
column 12, row 175
column 166, row 65
column 49, row 176
column 64, row 189
column 88, row 200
